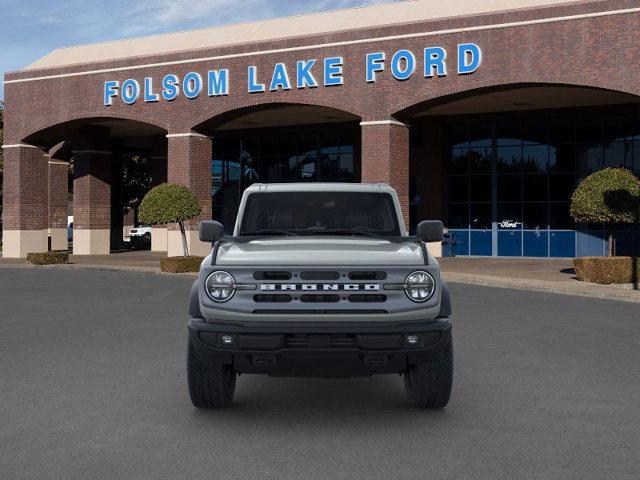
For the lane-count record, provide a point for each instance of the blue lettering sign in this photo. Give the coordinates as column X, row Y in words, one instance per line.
column 149, row 96
column 333, row 71
column 375, row 63
column 218, row 82
column 110, row 92
column 130, row 91
column 170, row 87
column 469, row 58
column 403, row 64
column 434, row 59
column 192, row 85
column 254, row 87
column 280, row 78
column 304, row 77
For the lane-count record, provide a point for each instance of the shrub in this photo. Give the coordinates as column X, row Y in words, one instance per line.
column 48, row 258
column 169, row 203
column 607, row 270
column 181, row 264
column 611, row 195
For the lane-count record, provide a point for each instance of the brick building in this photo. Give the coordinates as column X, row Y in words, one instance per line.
column 485, row 114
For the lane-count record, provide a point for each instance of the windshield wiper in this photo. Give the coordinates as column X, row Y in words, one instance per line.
column 284, row 233
column 340, row 231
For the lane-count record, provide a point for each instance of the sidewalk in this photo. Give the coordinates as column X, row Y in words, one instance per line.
column 537, row 275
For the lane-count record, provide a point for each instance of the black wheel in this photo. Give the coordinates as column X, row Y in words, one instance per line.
column 147, row 236
column 428, row 384
column 211, row 384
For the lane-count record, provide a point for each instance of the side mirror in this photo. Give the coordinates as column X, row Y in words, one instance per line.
column 210, row 231
column 430, row 231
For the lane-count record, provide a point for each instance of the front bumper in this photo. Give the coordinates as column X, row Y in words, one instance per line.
column 321, row 349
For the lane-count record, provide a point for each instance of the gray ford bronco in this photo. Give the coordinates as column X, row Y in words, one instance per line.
column 320, row 280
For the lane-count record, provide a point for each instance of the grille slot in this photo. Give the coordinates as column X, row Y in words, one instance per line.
column 363, row 298
column 319, row 275
column 272, row 298
column 310, row 298
column 367, row 275
column 272, row 275
column 320, row 341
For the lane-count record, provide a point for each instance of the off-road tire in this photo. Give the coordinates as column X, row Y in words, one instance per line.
column 428, row 384
column 211, row 384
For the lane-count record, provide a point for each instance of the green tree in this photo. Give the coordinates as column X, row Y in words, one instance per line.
column 170, row 203
column 609, row 196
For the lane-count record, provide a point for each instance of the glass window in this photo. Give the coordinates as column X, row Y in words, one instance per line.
column 559, row 218
column 480, row 160
column 510, row 216
column 509, row 188
column 480, row 136
column 481, row 188
column 510, row 159
column 618, row 154
column 458, row 215
column 459, row 161
column 589, row 157
column 535, row 216
column 562, row 157
column 534, row 188
column 480, row 216
column 535, row 158
column 561, row 186
column 458, row 189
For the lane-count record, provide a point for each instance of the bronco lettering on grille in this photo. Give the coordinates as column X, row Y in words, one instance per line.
column 320, row 287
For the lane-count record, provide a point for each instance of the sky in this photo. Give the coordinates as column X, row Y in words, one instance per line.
column 29, row 29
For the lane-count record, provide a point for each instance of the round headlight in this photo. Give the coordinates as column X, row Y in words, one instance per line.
column 419, row 286
column 220, row 286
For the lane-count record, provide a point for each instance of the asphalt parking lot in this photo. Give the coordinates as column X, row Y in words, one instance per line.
column 92, row 386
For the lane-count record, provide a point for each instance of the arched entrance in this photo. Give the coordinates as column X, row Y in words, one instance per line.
column 499, row 165
column 278, row 143
column 112, row 163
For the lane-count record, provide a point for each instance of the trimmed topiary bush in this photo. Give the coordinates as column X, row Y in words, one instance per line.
column 611, row 195
column 170, row 203
column 48, row 258
column 181, row 264
column 607, row 270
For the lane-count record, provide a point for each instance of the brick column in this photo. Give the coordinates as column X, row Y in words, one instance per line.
column 92, row 192
column 58, row 191
column 158, row 175
column 189, row 164
column 25, row 211
column 385, row 157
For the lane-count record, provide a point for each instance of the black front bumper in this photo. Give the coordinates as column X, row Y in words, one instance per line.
column 319, row 350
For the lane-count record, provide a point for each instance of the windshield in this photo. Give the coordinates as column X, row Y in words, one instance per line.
column 318, row 213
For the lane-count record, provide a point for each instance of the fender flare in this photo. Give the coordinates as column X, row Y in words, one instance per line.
column 194, row 301
column 445, row 301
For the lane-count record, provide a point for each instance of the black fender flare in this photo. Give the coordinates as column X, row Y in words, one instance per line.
column 194, row 301
column 445, row 301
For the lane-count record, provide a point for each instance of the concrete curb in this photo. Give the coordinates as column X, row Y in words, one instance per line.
column 574, row 287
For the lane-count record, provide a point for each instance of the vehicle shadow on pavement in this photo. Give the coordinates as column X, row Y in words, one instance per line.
column 319, row 401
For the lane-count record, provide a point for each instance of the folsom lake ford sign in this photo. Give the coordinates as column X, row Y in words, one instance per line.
column 309, row 73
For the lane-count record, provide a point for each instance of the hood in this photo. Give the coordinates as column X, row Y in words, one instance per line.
column 320, row 251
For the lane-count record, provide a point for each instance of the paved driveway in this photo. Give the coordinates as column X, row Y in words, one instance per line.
column 93, row 387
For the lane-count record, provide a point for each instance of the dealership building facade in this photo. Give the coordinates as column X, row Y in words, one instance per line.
column 484, row 114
